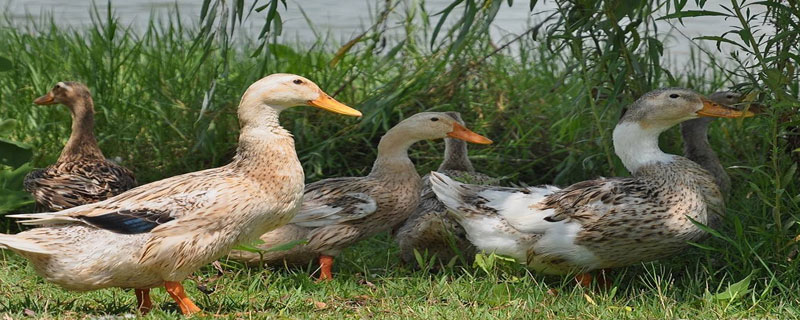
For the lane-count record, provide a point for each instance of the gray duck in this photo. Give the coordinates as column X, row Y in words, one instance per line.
column 429, row 229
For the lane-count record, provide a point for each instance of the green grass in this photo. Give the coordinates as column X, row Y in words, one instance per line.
column 149, row 90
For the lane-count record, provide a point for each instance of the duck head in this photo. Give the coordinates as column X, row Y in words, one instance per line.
column 636, row 134
column 72, row 94
column 665, row 108
column 281, row 91
column 437, row 125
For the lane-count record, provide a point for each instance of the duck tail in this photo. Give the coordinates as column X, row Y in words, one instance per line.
column 43, row 219
column 452, row 193
column 14, row 242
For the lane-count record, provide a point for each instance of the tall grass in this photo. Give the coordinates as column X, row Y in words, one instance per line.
column 166, row 101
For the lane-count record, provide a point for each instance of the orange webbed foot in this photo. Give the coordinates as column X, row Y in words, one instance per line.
column 176, row 291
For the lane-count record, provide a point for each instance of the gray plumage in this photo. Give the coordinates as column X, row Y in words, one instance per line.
column 430, row 230
column 696, row 146
column 602, row 223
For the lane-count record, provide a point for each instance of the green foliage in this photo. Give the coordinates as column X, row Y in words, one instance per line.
column 166, row 103
column 14, row 165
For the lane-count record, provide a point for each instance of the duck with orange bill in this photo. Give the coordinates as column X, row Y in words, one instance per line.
column 607, row 222
column 338, row 212
column 81, row 174
column 159, row 233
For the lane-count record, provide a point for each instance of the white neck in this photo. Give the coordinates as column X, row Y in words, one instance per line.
column 637, row 146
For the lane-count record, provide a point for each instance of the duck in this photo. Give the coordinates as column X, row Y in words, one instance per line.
column 695, row 141
column 159, row 233
column 81, row 174
column 429, row 229
column 607, row 222
column 338, row 212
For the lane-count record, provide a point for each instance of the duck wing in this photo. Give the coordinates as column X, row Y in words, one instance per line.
column 64, row 187
column 334, row 201
column 167, row 206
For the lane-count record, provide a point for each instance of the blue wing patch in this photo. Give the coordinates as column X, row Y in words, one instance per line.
column 129, row 221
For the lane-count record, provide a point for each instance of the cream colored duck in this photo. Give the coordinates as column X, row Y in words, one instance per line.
column 161, row 232
column 339, row 212
column 429, row 229
column 602, row 223
column 82, row 174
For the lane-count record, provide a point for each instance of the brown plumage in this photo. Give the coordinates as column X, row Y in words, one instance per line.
column 338, row 212
column 429, row 229
column 82, row 174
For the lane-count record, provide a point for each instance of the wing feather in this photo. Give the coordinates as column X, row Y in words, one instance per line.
column 334, row 201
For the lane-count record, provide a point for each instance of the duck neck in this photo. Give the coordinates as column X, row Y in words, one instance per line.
column 455, row 156
column 392, row 157
column 637, row 145
column 82, row 143
column 262, row 140
column 697, row 149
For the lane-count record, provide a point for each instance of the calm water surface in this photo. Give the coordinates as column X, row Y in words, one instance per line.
column 343, row 19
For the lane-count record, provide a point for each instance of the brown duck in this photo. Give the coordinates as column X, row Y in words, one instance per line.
column 339, row 212
column 82, row 174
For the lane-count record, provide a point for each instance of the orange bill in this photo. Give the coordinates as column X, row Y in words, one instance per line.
column 462, row 133
column 325, row 102
column 713, row 109
column 49, row 98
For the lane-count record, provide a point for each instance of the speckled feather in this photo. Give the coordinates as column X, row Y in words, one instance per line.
column 64, row 185
column 82, row 174
column 431, row 229
column 602, row 223
column 390, row 198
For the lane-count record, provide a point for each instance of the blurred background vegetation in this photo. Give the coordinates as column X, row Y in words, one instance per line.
column 549, row 98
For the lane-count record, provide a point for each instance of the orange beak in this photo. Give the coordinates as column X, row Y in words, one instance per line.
column 49, row 98
column 325, row 102
column 713, row 109
column 462, row 133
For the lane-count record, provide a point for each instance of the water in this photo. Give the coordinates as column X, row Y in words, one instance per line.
column 344, row 19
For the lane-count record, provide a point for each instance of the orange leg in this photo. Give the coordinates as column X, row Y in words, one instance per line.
column 176, row 291
column 585, row 279
column 325, row 264
column 143, row 300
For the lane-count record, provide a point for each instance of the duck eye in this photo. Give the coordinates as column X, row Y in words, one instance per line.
column 674, row 96
column 434, row 119
column 297, row 81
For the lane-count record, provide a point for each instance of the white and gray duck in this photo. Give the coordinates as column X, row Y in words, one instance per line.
column 607, row 222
